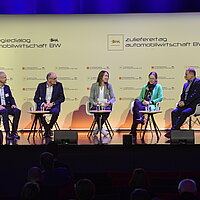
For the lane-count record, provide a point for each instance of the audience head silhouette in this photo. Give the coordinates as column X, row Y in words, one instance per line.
column 47, row 161
column 30, row 191
column 140, row 194
column 139, row 179
column 85, row 189
column 34, row 174
column 187, row 185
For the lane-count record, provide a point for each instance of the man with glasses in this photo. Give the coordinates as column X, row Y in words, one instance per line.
column 49, row 96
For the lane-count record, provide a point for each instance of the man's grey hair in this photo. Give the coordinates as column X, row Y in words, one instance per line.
column 48, row 75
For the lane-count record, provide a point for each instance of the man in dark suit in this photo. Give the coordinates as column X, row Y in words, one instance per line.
column 8, row 107
column 49, row 96
column 190, row 97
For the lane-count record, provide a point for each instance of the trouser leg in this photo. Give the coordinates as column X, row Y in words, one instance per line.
column 4, row 113
column 16, row 113
column 182, row 117
column 54, row 117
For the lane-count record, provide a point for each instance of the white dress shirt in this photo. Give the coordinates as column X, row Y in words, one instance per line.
column 101, row 99
column 49, row 92
column 2, row 96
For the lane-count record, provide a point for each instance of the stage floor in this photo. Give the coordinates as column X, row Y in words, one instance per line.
column 117, row 139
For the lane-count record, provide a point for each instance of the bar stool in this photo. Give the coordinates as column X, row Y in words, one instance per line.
column 108, row 126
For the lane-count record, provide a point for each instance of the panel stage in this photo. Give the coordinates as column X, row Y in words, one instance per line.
column 83, row 139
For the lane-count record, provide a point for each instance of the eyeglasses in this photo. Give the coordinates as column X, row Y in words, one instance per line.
column 53, row 78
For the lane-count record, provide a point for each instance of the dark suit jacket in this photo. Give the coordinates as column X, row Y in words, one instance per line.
column 8, row 96
column 193, row 97
column 57, row 95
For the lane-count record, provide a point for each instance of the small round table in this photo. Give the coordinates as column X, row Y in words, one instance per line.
column 37, row 114
column 150, row 114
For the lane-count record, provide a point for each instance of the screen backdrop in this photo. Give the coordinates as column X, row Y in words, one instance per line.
column 78, row 47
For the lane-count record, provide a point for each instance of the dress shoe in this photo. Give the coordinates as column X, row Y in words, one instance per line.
column 50, row 133
column 9, row 136
column 15, row 135
column 46, row 134
column 168, row 134
column 133, row 133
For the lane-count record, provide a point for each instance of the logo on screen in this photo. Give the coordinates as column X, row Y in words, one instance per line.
column 54, row 40
column 115, row 42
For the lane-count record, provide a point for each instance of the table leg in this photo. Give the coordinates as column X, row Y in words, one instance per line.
column 145, row 126
column 36, row 117
column 155, row 126
column 100, row 128
column 91, row 128
column 33, row 124
column 40, row 124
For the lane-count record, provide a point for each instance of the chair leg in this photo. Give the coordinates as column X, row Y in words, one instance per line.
column 32, row 127
column 110, row 127
column 190, row 123
column 141, row 130
column 91, row 128
column 40, row 131
column 10, row 121
column 150, row 121
column 198, row 121
column 106, row 123
column 57, row 127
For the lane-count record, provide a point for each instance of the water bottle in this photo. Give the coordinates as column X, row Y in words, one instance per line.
column 42, row 107
column 148, row 107
column 31, row 108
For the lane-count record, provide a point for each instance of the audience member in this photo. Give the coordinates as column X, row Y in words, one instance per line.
column 30, row 191
column 56, row 182
column 139, row 179
column 140, row 194
column 187, row 190
column 85, row 189
column 34, row 175
column 52, row 147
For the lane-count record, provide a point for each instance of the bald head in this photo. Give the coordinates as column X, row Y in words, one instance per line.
column 187, row 185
